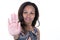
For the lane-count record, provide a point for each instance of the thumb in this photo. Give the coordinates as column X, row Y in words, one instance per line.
column 19, row 25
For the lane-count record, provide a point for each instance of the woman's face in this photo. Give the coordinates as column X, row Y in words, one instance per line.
column 29, row 14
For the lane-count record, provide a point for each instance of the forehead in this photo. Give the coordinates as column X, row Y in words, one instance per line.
column 29, row 7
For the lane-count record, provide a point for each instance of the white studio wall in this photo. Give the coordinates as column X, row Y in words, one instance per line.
column 49, row 18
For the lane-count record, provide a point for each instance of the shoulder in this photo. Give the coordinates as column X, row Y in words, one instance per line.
column 38, row 34
column 37, row 30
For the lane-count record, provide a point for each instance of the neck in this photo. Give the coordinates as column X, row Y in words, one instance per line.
column 29, row 28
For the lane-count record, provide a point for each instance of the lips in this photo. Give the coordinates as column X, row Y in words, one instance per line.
column 27, row 19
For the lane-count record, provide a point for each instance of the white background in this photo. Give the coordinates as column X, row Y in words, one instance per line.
column 49, row 18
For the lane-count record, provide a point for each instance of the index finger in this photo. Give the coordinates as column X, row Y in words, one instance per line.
column 14, row 17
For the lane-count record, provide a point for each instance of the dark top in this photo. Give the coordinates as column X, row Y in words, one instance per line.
column 31, row 34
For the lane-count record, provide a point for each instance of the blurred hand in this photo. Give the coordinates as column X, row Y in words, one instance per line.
column 14, row 27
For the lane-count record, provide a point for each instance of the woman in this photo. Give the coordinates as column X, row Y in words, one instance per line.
column 25, row 28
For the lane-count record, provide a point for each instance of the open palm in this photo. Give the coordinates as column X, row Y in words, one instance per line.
column 13, row 26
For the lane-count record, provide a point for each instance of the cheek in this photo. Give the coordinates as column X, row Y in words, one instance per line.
column 33, row 17
column 24, row 15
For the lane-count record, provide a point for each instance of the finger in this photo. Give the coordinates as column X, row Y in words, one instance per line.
column 9, row 22
column 16, row 16
column 19, row 25
column 13, row 17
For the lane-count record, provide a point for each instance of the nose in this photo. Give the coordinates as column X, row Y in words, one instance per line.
column 28, row 15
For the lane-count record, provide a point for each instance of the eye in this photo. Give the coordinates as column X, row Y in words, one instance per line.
column 32, row 13
column 24, row 12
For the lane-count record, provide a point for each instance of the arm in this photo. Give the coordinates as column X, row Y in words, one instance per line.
column 38, row 34
column 16, row 37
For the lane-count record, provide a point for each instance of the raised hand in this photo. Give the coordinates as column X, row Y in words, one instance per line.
column 14, row 27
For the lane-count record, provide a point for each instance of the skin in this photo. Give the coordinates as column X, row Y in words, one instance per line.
column 29, row 15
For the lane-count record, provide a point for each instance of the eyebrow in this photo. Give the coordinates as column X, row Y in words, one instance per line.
column 31, row 11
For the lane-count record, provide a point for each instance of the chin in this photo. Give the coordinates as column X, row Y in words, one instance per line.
column 28, row 22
